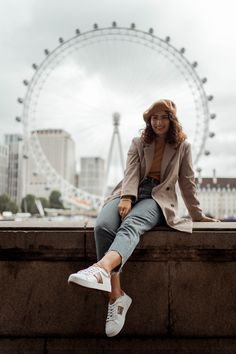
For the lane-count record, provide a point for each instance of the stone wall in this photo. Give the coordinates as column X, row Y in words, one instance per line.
column 183, row 288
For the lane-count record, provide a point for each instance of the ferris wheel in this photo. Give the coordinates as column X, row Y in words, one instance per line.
column 88, row 77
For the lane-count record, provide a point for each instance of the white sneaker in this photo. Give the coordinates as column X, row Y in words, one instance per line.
column 92, row 277
column 116, row 315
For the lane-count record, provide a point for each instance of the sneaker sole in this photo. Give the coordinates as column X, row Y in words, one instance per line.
column 87, row 284
column 129, row 301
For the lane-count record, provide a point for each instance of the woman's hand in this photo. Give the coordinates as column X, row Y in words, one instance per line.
column 124, row 207
column 208, row 219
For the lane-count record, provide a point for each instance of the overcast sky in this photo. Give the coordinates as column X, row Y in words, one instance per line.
column 206, row 28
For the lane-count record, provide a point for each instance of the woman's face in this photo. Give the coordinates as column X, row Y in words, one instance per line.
column 160, row 123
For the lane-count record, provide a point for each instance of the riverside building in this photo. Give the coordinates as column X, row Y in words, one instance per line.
column 4, row 169
column 59, row 149
column 92, row 174
column 14, row 142
column 217, row 197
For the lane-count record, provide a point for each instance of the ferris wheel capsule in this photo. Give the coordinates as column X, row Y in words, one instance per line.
column 25, row 82
column 182, row 50
column 167, row 39
column 213, row 116
column 46, row 52
column 207, row 152
column 150, row 31
column 77, row 31
column 210, row 98
column 18, row 119
column 114, row 24
column 204, row 80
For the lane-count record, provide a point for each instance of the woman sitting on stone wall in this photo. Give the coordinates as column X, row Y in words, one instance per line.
column 146, row 197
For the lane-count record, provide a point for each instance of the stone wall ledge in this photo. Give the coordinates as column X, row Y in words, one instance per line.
column 74, row 242
column 45, row 224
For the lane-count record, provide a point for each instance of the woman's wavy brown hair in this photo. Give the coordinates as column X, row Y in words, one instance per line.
column 175, row 134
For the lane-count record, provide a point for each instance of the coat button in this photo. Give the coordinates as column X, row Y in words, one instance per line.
column 172, row 205
column 168, row 188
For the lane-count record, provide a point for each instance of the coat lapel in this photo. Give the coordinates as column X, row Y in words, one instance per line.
column 169, row 152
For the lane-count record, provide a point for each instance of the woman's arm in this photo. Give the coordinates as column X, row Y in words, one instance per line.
column 130, row 182
column 132, row 173
column 188, row 187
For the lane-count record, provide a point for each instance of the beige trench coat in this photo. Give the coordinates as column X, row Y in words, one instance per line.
column 176, row 167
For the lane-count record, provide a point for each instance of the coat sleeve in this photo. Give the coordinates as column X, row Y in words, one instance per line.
column 187, row 185
column 132, row 172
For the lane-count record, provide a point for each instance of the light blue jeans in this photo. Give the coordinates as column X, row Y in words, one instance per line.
column 113, row 234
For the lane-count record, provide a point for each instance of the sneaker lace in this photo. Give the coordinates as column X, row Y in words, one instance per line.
column 90, row 270
column 111, row 312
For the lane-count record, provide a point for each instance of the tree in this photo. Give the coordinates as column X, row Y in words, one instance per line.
column 28, row 204
column 6, row 204
column 55, row 200
column 45, row 202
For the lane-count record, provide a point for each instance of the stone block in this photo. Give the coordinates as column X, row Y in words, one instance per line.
column 140, row 345
column 36, row 299
column 203, row 301
column 22, row 346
